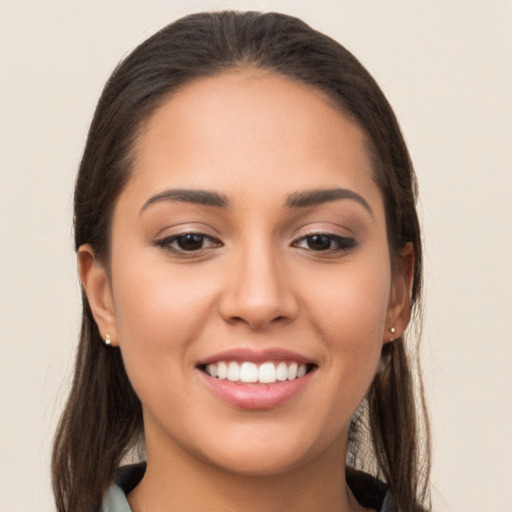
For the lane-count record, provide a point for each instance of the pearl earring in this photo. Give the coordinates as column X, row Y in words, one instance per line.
column 107, row 339
column 392, row 331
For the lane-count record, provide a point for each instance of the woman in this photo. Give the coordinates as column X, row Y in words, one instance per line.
column 250, row 257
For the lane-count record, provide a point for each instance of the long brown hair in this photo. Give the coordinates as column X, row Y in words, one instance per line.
column 102, row 420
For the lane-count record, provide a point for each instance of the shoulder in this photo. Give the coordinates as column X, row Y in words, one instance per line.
column 126, row 480
column 369, row 491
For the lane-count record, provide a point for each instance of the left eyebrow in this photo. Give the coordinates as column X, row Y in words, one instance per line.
column 320, row 196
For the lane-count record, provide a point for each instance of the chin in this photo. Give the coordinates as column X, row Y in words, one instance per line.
column 261, row 464
column 271, row 455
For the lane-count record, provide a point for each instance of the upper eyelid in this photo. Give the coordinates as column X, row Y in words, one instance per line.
column 328, row 228
column 334, row 236
column 168, row 244
column 331, row 229
column 175, row 236
column 186, row 228
column 324, row 233
column 297, row 236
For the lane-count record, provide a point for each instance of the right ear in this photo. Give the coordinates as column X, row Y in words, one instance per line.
column 96, row 284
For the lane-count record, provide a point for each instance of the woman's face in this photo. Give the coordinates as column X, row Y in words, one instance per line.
column 250, row 245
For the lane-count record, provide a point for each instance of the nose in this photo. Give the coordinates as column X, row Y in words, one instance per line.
column 259, row 291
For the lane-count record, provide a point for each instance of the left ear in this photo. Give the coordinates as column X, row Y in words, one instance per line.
column 399, row 306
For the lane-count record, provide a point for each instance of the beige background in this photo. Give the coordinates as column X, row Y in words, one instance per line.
column 446, row 68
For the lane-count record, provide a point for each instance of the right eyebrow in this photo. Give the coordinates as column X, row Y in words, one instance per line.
column 194, row 196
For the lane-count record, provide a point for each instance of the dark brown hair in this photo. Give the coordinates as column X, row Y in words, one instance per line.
column 102, row 420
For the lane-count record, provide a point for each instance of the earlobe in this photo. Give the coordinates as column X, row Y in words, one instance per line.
column 96, row 284
column 399, row 307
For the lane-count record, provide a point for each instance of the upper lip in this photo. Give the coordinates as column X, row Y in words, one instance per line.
column 255, row 356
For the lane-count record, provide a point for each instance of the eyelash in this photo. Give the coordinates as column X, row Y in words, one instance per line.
column 167, row 243
column 341, row 243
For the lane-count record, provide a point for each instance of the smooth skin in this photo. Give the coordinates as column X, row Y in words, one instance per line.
column 186, row 281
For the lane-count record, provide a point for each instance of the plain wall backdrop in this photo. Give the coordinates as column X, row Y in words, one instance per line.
column 446, row 67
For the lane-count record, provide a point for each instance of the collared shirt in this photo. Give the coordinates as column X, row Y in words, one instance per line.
column 369, row 492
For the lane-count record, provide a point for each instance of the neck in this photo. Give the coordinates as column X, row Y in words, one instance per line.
column 179, row 482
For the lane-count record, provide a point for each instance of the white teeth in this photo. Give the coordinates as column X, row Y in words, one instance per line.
column 292, row 371
column 282, row 372
column 213, row 370
column 248, row 372
column 233, row 372
column 266, row 373
column 222, row 370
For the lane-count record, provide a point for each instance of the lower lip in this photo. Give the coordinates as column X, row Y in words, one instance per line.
column 257, row 396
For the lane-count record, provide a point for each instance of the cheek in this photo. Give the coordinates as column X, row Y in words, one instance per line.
column 349, row 312
column 150, row 306
column 353, row 300
column 159, row 309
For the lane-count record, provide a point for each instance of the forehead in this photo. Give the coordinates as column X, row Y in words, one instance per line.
column 255, row 129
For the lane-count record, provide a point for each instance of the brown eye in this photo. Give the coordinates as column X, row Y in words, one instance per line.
column 319, row 242
column 323, row 242
column 188, row 243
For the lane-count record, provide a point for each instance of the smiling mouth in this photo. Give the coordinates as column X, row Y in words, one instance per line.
column 247, row 372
